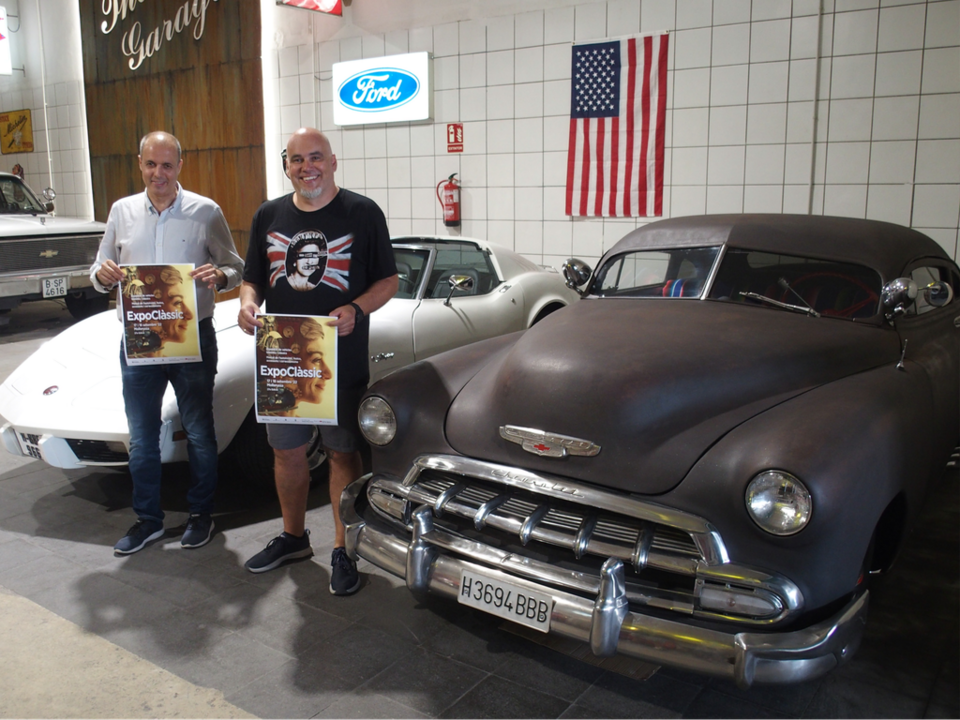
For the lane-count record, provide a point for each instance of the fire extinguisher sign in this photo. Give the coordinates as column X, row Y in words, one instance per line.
column 454, row 137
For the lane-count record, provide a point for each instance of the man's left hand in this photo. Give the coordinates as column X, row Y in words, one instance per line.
column 211, row 275
column 345, row 321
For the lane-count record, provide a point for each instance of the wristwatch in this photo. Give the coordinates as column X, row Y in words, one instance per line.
column 358, row 317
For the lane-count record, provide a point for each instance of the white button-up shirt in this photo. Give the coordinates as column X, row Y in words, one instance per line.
column 191, row 230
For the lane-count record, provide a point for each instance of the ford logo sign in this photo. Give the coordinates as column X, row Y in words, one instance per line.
column 379, row 90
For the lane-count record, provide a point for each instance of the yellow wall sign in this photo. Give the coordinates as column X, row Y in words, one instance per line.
column 16, row 132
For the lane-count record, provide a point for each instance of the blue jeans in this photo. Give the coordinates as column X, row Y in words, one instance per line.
column 143, row 389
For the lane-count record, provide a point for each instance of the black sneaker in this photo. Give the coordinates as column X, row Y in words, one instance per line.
column 199, row 531
column 344, row 578
column 282, row 548
column 142, row 532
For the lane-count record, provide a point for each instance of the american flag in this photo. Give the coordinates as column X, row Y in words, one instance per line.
column 617, row 119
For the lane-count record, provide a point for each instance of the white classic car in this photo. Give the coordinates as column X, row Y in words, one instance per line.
column 63, row 405
column 45, row 257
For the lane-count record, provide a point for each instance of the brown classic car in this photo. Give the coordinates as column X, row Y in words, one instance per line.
column 700, row 463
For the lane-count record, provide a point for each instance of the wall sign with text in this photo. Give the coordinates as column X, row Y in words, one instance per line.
column 397, row 88
column 139, row 41
column 16, row 132
column 331, row 7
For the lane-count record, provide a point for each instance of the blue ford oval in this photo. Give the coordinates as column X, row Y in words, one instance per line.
column 379, row 89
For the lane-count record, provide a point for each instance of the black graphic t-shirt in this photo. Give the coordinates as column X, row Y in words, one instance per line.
column 310, row 263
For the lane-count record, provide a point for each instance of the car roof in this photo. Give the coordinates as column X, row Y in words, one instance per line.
column 884, row 246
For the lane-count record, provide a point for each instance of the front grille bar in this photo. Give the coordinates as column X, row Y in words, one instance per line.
column 639, row 543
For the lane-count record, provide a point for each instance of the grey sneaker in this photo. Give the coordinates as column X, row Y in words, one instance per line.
column 199, row 531
column 282, row 548
column 142, row 532
column 344, row 578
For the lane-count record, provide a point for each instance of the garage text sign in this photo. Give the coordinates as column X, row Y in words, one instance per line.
column 139, row 45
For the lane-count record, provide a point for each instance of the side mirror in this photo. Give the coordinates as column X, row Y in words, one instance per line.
column 49, row 195
column 938, row 294
column 577, row 273
column 458, row 282
column 897, row 296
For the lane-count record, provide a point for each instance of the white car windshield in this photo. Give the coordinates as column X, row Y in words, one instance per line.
column 15, row 197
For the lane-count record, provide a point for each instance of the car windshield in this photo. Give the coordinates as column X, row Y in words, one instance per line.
column 832, row 289
column 675, row 273
column 410, row 265
column 15, row 197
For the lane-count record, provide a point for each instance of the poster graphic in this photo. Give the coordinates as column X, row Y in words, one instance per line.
column 296, row 372
column 159, row 310
column 16, row 132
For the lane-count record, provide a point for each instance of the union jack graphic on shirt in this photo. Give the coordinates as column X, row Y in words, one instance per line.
column 309, row 259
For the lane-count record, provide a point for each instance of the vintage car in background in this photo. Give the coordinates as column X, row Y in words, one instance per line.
column 699, row 464
column 44, row 257
column 63, row 405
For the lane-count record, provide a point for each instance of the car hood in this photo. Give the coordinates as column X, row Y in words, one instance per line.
column 653, row 382
column 19, row 226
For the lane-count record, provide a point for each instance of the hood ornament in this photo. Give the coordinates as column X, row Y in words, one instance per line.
column 546, row 444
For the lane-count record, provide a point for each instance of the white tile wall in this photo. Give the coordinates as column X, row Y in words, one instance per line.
column 61, row 158
column 744, row 80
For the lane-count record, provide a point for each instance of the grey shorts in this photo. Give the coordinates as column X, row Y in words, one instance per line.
column 344, row 437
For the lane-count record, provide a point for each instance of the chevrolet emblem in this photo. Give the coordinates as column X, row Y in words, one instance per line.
column 545, row 444
column 49, row 254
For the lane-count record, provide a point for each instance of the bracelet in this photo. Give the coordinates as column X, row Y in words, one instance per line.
column 358, row 317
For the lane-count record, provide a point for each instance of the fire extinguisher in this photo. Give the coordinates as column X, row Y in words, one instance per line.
column 450, row 201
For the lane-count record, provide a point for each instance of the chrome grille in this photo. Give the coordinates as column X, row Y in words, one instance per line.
column 673, row 560
column 581, row 529
column 24, row 255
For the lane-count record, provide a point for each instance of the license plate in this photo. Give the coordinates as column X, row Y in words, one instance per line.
column 506, row 600
column 54, row 287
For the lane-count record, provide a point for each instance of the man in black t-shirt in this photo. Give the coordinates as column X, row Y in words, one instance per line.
column 321, row 250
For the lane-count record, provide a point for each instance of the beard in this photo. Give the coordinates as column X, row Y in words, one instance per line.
column 310, row 194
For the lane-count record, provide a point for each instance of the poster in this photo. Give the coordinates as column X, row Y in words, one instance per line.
column 296, row 372
column 16, row 132
column 159, row 309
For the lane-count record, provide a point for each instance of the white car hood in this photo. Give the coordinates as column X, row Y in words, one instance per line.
column 23, row 225
column 83, row 364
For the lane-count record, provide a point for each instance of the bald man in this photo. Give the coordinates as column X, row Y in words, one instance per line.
column 167, row 225
column 310, row 227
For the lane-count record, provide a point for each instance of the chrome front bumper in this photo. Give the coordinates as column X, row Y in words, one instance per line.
column 432, row 560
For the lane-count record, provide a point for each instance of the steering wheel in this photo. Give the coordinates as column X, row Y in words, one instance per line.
column 859, row 288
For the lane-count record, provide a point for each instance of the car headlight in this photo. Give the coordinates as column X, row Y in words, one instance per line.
column 778, row 502
column 378, row 423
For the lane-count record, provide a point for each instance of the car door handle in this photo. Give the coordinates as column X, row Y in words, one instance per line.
column 381, row 356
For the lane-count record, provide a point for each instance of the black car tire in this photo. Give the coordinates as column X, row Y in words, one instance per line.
column 81, row 306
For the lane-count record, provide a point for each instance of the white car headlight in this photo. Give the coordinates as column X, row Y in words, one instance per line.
column 378, row 423
column 778, row 502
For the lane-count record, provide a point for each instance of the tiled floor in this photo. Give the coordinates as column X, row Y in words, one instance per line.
column 279, row 645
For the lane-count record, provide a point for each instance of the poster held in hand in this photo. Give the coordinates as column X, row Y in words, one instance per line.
column 296, row 372
column 158, row 306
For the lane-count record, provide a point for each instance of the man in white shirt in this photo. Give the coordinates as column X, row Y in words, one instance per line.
column 169, row 225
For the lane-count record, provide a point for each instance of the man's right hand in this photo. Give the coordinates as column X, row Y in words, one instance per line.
column 109, row 274
column 248, row 320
